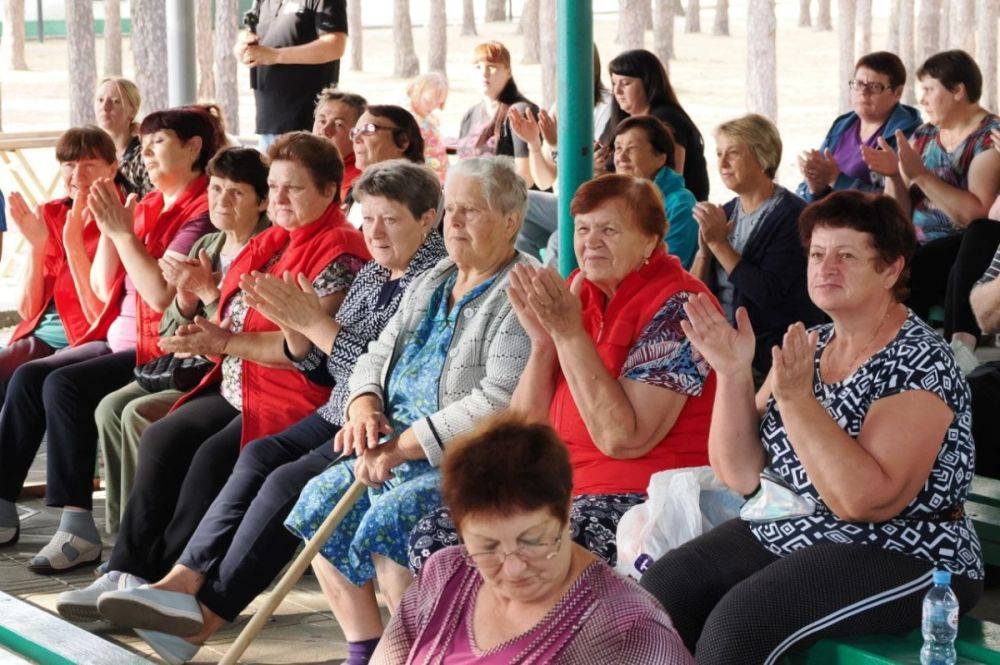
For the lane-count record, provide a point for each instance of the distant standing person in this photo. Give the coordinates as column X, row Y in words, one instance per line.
column 294, row 52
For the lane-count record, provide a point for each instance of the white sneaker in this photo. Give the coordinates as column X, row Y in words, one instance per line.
column 81, row 604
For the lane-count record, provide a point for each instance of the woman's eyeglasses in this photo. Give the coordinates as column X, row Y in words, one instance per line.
column 864, row 86
column 368, row 129
column 490, row 562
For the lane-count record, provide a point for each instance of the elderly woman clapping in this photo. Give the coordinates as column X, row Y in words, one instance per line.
column 451, row 356
column 610, row 368
column 519, row 588
column 860, row 445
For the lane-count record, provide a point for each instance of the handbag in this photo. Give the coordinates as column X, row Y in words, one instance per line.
column 172, row 373
column 775, row 500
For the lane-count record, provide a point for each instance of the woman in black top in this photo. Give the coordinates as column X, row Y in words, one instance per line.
column 640, row 86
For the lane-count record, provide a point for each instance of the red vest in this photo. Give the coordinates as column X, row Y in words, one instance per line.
column 57, row 282
column 275, row 398
column 351, row 173
column 615, row 328
column 156, row 228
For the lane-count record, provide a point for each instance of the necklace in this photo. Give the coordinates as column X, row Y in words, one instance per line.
column 854, row 360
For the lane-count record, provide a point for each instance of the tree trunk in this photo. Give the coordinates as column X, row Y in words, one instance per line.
column 355, row 35
column 944, row 26
column 693, row 17
column 549, row 48
column 630, row 23
column 845, row 43
column 720, row 26
column 226, row 88
column 663, row 31
column 907, row 49
column 13, row 35
column 437, row 58
column 406, row 63
column 112, row 37
column 929, row 31
column 203, row 48
column 893, row 43
column 82, row 51
column 149, row 48
column 496, row 10
column 647, row 14
column 986, row 42
column 805, row 15
column 529, row 21
column 964, row 25
column 863, row 29
column 761, row 85
column 823, row 19
column 468, row 18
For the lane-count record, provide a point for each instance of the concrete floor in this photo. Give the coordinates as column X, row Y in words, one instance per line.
column 301, row 631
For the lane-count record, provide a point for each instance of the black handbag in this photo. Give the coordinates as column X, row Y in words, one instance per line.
column 171, row 373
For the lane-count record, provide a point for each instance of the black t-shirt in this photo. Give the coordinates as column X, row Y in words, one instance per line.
column 286, row 94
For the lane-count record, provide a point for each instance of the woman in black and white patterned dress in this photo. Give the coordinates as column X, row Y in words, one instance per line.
column 857, row 451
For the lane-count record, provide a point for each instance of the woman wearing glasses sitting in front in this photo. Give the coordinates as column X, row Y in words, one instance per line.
column 383, row 132
column 876, row 113
column 519, row 589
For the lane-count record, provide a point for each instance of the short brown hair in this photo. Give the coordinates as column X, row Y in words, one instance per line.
column 187, row 122
column 640, row 197
column 659, row 134
column 954, row 68
column 884, row 62
column 507, row 465
column 492, row 52
column 879, row 216
column 317, row 155
column 87, row 142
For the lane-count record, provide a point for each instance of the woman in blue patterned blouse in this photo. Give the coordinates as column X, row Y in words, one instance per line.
column 856, row 453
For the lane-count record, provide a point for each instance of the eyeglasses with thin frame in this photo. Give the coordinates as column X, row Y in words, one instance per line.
column 861, row 86
column 368, row 129
column 491, row 562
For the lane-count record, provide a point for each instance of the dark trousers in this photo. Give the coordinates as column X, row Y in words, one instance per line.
column 985, row 384
column 728, row 595
column 58, row 395
column 184, row 460
column 242, row 544
column 16, row 354
column 943, row 271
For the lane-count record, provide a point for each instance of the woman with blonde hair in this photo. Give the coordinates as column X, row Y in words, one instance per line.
column 116, row 105
column 428, row 93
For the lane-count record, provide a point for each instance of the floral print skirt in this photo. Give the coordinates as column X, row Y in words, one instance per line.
column 593, row 523
column 379, row 523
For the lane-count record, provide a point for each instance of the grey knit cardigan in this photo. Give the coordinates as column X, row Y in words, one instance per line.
column 488, row 352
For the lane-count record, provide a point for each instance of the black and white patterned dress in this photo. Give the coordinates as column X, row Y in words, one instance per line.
column 917, row 359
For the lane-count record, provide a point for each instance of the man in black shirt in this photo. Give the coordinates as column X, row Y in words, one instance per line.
column 293, row 54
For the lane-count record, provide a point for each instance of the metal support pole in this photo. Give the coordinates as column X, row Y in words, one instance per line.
column 41, row 23
column 575, row 27
column 181, row 67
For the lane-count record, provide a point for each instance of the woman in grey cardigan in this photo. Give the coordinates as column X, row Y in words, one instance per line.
column 450, row 357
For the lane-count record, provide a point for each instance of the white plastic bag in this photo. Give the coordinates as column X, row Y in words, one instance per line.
column 681, row 505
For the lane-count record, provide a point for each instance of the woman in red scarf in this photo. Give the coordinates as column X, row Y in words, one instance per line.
column 254, row 390
column 57, row 396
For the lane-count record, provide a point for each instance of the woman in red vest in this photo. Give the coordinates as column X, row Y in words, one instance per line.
column 57, row 396
column 254, row 390
column 57, row 303
column 610, row 368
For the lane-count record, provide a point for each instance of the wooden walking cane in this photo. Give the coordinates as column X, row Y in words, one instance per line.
column 293, row 574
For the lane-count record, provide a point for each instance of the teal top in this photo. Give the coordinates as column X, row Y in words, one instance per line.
column 50, row 329
column 678, row 203
column 412, row 391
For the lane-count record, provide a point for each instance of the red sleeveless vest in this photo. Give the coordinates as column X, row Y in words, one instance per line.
column 615, row 328
column 156, row 228
column 275, row 398
column 58, row 283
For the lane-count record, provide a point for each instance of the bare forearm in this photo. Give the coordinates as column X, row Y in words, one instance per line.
column 897, row 189
column 734, row 447
column 701, row 265
column 534, row 391
column 34, row 286
column 264, row 348
column 80, row 267
column 985, row 301
column 316, row 52
column 605, row 408
column 323, row 334
column 144, row 272
column 961, row 206
column 725, row 255
column 104, row 268
column 523, row 169
column 543, row 170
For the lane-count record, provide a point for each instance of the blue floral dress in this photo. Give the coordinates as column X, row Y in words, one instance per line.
column 381, row 520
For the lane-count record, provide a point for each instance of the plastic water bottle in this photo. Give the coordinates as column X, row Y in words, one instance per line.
column 940, row 622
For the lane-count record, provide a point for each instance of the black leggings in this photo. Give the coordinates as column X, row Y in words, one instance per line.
column 732, row 601
column 944, row 271
column 184, row 460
